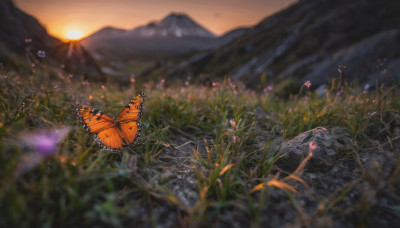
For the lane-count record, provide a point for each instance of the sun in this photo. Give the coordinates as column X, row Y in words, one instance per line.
column 74, row 35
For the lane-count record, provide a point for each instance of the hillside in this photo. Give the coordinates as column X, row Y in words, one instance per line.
column 22, row 36
column 308, row 41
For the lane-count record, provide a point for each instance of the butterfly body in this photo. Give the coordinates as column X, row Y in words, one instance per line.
column 113, row 133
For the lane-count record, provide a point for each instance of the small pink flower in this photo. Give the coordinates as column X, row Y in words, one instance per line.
column 307, row 83
column 161, row 84
column 28, row 40
column 233, row 123
column 341, row 68
column 215, row 84
column 187, row 83
column 234, row 139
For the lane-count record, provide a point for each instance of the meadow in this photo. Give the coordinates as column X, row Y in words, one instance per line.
column 207, row 156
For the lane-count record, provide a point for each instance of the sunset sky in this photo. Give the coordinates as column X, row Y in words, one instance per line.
column 61, row 17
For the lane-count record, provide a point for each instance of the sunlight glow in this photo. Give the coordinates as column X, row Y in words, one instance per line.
column 74, row 35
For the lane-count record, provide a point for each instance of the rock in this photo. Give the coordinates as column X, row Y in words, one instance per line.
column 327, row 143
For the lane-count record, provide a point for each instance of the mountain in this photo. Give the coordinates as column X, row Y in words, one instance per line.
column 123, row 52
column 174, row 25
column 22, row 35
column 177, row 33
column 308, row 41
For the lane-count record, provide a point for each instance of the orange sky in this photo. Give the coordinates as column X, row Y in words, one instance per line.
column 87, row 16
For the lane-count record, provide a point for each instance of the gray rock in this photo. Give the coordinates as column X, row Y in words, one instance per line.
column 327, row 143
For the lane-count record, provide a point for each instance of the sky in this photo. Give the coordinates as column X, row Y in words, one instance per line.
column 63, row 17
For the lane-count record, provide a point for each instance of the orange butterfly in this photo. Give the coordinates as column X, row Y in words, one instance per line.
column 113, row 134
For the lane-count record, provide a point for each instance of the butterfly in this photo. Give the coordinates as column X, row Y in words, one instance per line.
column 113, row 133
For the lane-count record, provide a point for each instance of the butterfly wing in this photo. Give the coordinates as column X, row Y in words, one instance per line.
column 129, row 120
column 133, row 111
column 93, row 120
column 110, row 139
column 101, row 125
column 130, row 132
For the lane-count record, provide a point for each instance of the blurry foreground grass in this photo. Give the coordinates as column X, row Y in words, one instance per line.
column 83, row 185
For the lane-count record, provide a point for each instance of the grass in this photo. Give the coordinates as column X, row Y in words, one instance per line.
column 84, row 185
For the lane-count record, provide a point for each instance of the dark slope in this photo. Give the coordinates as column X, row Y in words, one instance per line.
column 308, row 41
column 16, row 27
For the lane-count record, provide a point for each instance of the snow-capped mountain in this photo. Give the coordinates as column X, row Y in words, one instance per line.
column 177, row 33
column 174, row 25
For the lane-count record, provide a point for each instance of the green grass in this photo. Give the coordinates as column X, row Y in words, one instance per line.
column 84, row 185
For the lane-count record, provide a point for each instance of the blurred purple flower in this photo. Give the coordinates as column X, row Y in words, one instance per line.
column 44, row 142
column 268, row 89
column 307, row 83
column 41, row 54
column 339, row 93
column 366, row 87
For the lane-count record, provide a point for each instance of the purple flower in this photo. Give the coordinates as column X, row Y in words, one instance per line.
column 366, row 87
column 307, row 83
column 268, row 89
column 41, row 54
column 45, row 142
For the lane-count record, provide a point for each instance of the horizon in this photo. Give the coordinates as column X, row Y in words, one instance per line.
column 78, row 19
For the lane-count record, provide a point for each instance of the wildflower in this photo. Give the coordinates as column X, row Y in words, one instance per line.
column 103, row 87
column 233, row 123
column 186, row 83
column 234, row 139
column 41, row 54
column 341, row 68
column 307, row 83
column 90, row 97
column 132, row 80
column 366, row 87
column 160, row 85
column 28, row 40
column 339, row 93
column 215, row 84
column 86, row 83
column 45, row 142
column 182, row 90
column 268, row 89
